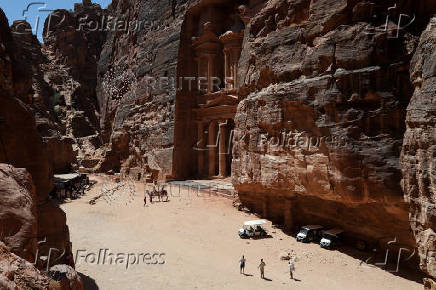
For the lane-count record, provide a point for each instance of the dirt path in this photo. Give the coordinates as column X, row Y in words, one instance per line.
column 197, row 239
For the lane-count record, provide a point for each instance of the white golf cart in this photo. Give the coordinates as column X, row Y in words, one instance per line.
column 252, row 229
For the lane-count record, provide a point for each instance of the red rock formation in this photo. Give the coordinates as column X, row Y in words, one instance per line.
column 19, row 235
column 18, row 215
column 324, row 88
column 418, row 158
column 72, row 49
column 61, row 153
column 22, row 146
column 319, row 134
column 17, row 273
column 325, row 72
column 129, row 110
column 29, row 61
column 58, row 79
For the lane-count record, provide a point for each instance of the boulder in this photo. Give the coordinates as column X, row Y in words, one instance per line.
column 67, row 277
column 18, row 214
column 17, row 273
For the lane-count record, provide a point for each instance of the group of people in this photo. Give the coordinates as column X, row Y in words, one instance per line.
column 155, row 189
column 262, row 265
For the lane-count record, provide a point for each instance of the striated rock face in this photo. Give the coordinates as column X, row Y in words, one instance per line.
column 418, row 158
column 18, row 220
column 319, row 134
column 136, row 120
column 323, row 90
column 29, row 61
column 72, row 49
column 319, row 131
column 22, row 145
column 58, row 79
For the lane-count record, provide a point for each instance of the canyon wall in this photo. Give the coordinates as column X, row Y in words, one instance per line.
column 30, row 61
column 21, row 144
column 319, row 134
column 418, row 158
column 73, row 41
column 324, row 90
column 137, row 115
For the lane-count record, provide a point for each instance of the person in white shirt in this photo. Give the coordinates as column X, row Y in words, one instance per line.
column 291, row 267
column 242, row 265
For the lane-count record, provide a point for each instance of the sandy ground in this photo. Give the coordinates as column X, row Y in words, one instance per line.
column 197, row 239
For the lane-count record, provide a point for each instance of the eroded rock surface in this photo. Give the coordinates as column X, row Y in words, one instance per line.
column 22, row 145
column 72, row 49
column 138, row 122
column 419, row 150
column 18, row 215
column 17, row 273
column 324, row 89
column 319, row 135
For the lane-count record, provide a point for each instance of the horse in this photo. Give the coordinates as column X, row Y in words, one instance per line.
column 161, row 194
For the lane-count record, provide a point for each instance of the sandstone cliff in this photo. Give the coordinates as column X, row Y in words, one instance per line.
column 138, row 122
column 320, row 131
column 324, row 89
column 22, row 145
column 419, row 149
column 29, row 63
column 18, row 215
column 72, row 49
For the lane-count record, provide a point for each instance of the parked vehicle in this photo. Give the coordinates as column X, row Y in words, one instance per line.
column 252, row 229
column 309, row 233
column 70, row 185
column 331, row 238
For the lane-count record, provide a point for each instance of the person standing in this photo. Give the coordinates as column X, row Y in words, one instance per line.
column 242, row 265
column 262, row 268
column 291, row 267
